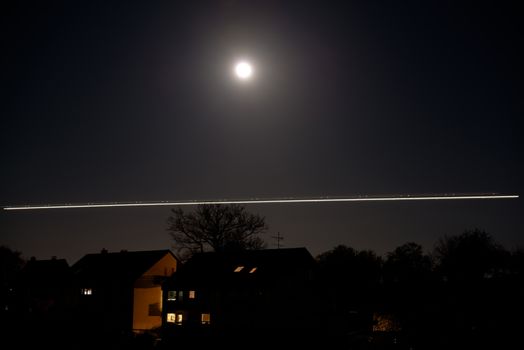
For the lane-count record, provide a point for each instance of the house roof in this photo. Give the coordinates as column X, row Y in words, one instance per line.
column 120, row 265
column 263, row 264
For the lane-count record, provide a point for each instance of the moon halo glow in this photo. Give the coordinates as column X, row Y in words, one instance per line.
column 243, row 70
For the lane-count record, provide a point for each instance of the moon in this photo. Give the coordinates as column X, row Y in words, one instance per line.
column 243, row 70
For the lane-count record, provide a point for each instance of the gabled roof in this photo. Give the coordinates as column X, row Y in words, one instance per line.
column 121, row 265
column 266, row 264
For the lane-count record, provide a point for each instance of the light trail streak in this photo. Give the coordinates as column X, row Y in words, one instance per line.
column 268, row 201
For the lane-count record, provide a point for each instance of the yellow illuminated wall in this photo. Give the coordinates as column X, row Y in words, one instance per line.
column 147, row 301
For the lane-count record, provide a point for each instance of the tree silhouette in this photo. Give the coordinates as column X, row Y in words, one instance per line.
column 349, row 282
column 349, row 268
column 11, row 263
column 408, row 290
column 407, row 264
column 476, row 300
column 215, row 228
column 473, row 255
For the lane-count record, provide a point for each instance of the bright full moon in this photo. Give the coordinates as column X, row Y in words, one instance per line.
column 243, row 70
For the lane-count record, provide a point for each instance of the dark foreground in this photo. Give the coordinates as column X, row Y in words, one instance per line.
column 49, row 336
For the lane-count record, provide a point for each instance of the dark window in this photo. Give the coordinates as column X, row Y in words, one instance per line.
column 154, row 309
column 171, row 295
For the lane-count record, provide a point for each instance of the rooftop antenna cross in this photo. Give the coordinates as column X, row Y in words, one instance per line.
column 279, row 238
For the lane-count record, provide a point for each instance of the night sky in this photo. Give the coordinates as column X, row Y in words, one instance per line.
column 136, row 101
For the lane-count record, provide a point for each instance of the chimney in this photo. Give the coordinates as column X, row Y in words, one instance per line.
column 103, row 251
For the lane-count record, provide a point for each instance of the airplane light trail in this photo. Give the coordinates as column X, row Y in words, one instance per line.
column 266, row 201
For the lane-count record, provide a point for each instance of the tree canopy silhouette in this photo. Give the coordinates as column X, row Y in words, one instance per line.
column 407, row 264
column 215, row 228
column 471, row 255
column 10, row 263
column 351, row 271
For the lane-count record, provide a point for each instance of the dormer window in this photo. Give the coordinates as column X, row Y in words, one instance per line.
column 86, row 291
column 253, row 270
column 239, row 268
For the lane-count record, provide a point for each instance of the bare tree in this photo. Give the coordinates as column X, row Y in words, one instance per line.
column 215, row 228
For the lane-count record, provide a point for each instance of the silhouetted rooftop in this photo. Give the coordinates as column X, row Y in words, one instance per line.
column 266, row 263
column 122, row 264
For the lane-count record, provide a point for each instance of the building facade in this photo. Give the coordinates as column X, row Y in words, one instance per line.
column 226, row 293
column 121, row 292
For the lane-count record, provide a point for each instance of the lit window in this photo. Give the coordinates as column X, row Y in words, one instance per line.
column 205, row 319
column 239, row 268
column 86, row 291
column 171, row 317
column 179, row 318
column 171, row 295
column 191, row 294
column 253, row 270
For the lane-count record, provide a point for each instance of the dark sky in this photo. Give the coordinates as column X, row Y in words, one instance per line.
column 135, row 101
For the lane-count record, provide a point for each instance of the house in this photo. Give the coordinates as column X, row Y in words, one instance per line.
column 232, row 293
column 121, row 292
column 43, row 290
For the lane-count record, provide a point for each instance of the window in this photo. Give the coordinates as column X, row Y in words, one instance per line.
column 171, row 317
column 239, row 268
column 180, row 295
column 154, row 310
column 171, row 295
column 205, row 319
column 176, row 318
column 86, row 291
column 191, row 294
column 253, row 270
